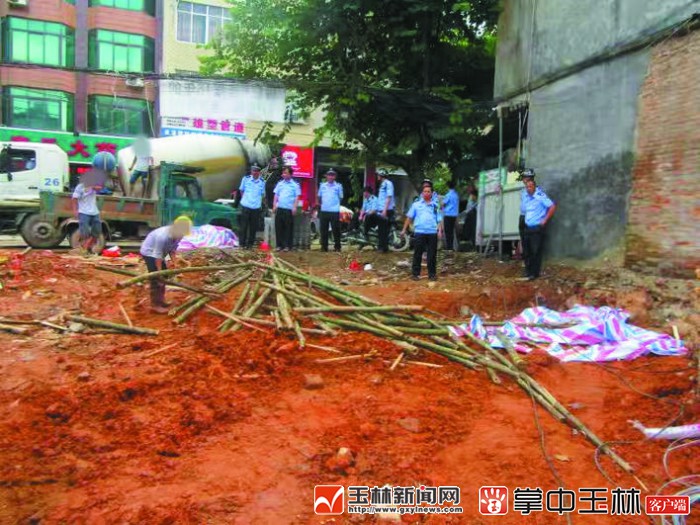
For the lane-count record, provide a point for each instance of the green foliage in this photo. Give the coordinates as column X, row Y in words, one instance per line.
column 396, row 77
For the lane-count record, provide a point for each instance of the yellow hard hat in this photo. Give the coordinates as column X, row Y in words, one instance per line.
column 183, row 224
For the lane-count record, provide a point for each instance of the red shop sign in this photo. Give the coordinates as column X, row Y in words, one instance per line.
column 300, row 159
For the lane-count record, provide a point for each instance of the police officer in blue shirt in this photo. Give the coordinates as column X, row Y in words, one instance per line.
column 251, row 191
column 368, row 214
column 330, row 195
column 450, row 210
column 284, row 207
column 537, row 209
column 427, row 226
column 385, row 209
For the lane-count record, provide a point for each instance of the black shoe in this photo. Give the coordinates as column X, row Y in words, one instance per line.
column 432, row 278
column 415, row 277
column 324, row 250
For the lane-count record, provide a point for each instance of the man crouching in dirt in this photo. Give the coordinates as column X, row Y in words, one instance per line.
column 160, row 243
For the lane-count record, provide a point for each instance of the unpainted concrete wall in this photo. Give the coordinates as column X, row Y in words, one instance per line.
column 581, row 139
column 567, row 32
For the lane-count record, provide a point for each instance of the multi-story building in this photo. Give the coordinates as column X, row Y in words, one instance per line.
column 73, row 73
column 186, row 27
column 612, row 109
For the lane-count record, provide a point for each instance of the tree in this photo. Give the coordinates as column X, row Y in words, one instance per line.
column 401, row 78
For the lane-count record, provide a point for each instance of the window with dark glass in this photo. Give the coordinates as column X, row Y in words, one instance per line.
column 124, row 52
column 119, row 116
column 147, row 6
column 37, row 42
column 199, row 23
column 37, row 108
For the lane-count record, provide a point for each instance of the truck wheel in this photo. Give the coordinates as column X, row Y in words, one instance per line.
column 96, row 248
column 38, row 232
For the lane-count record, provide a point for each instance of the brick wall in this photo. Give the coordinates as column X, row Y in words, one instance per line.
column 113, row 85
column 39, row 78
column 122, row 20
column 664, row 210
column 49, row 10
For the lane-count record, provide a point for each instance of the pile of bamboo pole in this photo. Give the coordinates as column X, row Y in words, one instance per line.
column 277, row 295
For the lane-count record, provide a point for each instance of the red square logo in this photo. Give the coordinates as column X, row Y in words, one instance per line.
column 493, row 501
column 667, row 505
column 329, row 499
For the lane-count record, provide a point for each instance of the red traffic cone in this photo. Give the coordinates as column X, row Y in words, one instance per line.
column 355, row 266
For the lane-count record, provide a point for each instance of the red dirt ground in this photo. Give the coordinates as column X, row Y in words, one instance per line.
column 195, row 426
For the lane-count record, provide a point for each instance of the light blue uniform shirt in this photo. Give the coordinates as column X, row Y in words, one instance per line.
column 287, row 192
column 330, row 196
column 369, row 205
column 535, row 206
column 253, row 192
column 450, row 204
column 159, row 243
column 386, row 190
column 425, row 216
column 87, row 200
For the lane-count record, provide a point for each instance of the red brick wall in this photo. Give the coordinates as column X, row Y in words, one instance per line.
column 49, row 10
column 122, row 20
column 40, row 78
column 664, row 211
column 112, row 85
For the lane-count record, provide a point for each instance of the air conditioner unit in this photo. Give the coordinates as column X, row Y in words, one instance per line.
column 134, row 82
column 18, row 3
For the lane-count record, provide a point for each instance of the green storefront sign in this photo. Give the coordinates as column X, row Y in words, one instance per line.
column 80, row 148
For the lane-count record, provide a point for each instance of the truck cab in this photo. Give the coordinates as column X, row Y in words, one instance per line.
column 26, row 168
column 181, row 194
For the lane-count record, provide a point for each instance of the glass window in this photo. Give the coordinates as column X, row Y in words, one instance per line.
column 38, row 42
column 37, row 109
column 119, row 116
column 199, row 23
column 126, row 52
column 147, row 6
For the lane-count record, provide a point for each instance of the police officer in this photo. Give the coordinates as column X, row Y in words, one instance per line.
column 536, row 209
column 427, row 226
column 525, row 175
column 251, row 193
column 385, row 209
column 284, row 207
column 368, row 214
column 450, row 205
column 330, row 195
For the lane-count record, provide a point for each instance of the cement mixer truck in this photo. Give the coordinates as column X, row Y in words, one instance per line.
column 223, row 160
column 188, row 173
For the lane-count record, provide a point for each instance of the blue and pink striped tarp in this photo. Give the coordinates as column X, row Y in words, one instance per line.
column 583, row 333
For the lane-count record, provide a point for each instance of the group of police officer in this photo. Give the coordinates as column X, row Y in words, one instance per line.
column 430, row 218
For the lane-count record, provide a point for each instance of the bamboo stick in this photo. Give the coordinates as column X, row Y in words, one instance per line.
column 221, row 288
column 264, row 322
column 236, row 307
column 396, row 362
column 228, row 285
column 112, row 326
column 126, row 315
column 13, row 329
column 176, row 271
column 300, row 334
column 176, row 284
column 250, row 312
column 233, row 318
column 351, row 309
column 54, row 326
column 321, row 283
